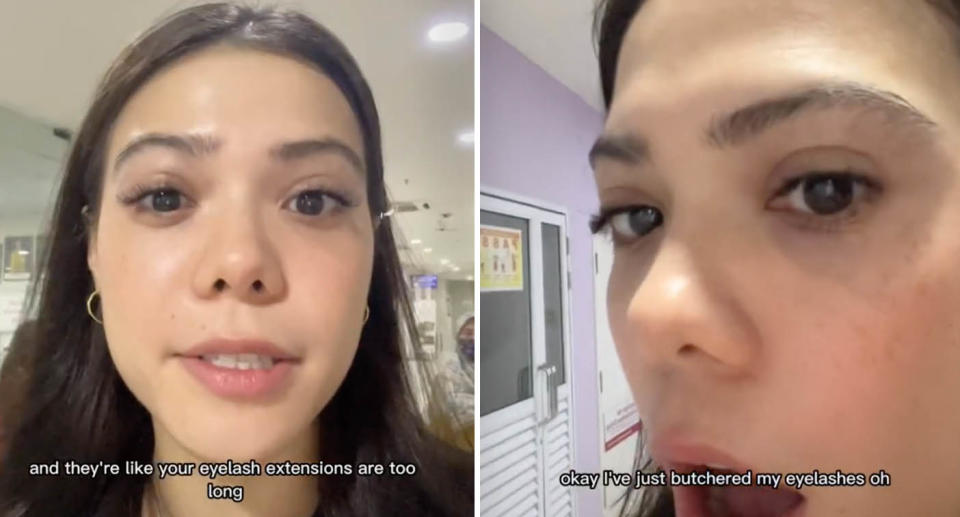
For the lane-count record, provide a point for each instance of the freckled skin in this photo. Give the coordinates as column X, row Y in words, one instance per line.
column 793, row 348
column 157, row 277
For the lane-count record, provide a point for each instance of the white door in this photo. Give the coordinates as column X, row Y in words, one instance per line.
column 619, row 421
column 525, row 433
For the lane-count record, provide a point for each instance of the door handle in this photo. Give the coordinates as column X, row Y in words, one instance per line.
column 553, row 386
column 548, row 405
column 543, row 401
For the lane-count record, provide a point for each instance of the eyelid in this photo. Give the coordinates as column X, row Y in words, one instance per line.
column 138, row 192
column 792, row 183
column 867, row 190
column 600, row 221
column 341, row 198
column 822, row 159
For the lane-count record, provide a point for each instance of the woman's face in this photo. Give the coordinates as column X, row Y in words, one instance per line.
column 794, row 304
column 234, row 207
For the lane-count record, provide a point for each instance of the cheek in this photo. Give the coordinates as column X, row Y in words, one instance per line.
column 328, row 289
column 863, row 384
column 626, row 276
column 149, row 282
column 866, row 378
column 141, row 281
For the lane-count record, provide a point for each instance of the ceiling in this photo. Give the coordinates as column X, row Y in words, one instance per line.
column 557, row 35
column 53, row 53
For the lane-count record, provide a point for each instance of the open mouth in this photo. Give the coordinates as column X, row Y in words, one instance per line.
column 241, row 361
column 698, row 499
column 240, row 376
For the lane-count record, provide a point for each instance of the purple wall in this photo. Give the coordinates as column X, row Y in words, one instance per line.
column 534, row 137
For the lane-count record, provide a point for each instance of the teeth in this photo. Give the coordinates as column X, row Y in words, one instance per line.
column 240, row 361
column 717, row 467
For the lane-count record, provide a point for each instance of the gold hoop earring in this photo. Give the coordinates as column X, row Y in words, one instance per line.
column 366, row 314
column 90, row 307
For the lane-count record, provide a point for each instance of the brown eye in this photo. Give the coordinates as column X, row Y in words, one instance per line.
column 165, row 200
column 824, row 194
column 313, row 202
column 635, row 222
column 628, row 223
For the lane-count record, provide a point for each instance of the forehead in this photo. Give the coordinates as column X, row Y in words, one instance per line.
column 679, row 51
column 239, row 95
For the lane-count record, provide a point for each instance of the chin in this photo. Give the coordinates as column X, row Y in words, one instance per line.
column 258, row 445
column 219, row 437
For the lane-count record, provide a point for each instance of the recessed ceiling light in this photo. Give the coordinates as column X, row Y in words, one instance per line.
column 444, row 261
column 469, row 277
column 427, row 250
column 465, row 137
column 456, row 268
column 448, row 31
column 415, row 241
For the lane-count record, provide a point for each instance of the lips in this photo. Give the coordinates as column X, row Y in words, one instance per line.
column 221, row 346
column 736, row 501
column 240, row 368
column 721, row 501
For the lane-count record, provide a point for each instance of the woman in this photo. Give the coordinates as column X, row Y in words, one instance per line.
column 222, row 285
column 779, row 179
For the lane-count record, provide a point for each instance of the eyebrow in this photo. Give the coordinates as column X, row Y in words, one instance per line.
column 191, row 144
column 198, row 145
column 752, row 120
column 289, row 151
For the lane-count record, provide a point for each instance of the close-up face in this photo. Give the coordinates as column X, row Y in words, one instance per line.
column 780, row 180
column 234, row 207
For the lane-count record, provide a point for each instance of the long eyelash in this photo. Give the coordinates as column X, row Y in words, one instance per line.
column 600, row 220
column 341, row 197
column 792, row 183
column 140, row 191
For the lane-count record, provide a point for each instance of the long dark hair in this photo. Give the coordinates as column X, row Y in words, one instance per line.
column 78, row 408
column 612, row 18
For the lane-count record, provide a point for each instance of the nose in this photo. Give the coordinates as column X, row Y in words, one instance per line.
column 683, row 312
column 239, row 260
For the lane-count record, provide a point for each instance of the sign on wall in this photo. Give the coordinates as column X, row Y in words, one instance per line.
column 501, row 259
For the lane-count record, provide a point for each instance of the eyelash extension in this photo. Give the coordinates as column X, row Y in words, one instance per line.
column 597, row 223
column 140, row 191
column 793, row 182
column 600, row 221
column 341, row 197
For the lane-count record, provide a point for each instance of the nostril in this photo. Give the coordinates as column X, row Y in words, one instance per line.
column 219, row 285
column 687, row 349
column 258, row 286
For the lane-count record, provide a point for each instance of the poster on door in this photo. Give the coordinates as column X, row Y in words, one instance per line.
column 501, row 259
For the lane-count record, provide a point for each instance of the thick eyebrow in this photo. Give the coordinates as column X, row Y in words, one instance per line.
column 300, row 149
column 752, row 120
column 625, row 148
column 190, row 143
column 196, row 145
